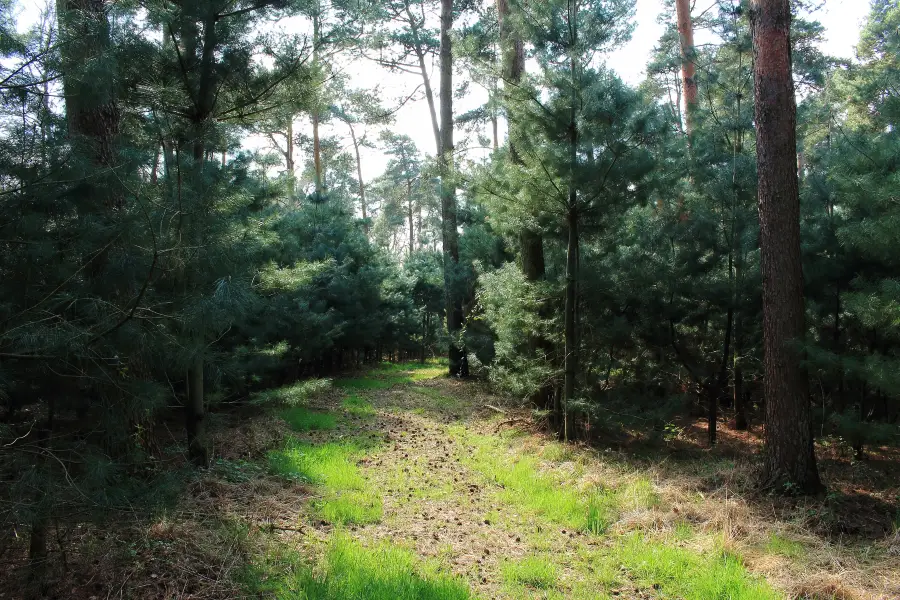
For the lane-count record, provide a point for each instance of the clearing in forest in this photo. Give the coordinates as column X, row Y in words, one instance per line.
column 403, row 484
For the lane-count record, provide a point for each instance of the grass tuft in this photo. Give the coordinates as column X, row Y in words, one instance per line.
column 350, row 571
column 681, row 573
column 357, row 405
column 333, row 466
column 532, row 571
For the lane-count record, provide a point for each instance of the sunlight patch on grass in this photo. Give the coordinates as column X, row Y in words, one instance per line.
column 346, row 498
column 300, row 418
column 349, row 571
column 332, row 464
column 682, row 573
column 387, row 375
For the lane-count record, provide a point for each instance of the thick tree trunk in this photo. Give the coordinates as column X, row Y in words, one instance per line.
column 448, row 197
column 688, row 70
column 91, row 110
column 791, row 461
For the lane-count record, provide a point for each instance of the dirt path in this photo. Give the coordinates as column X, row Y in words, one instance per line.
column 450, row 477
column 445, row 468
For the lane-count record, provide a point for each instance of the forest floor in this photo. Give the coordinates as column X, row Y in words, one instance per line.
column 404, row 484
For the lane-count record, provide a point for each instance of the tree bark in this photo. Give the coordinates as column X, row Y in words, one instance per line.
column 456, row 353
column 688, row 70
column 790, row 461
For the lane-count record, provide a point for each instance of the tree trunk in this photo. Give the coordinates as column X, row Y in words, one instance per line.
column 448, row 197
column 410, row 216
column 195, row 410
column 571, row 325
column 426, row 81
column 359, row 176
column 688, row 70
column 721, row 384
column 740, row 400
column 317, row 148
column 289, row 159
column 38, row 558
column 91, row 111
column 791, row 461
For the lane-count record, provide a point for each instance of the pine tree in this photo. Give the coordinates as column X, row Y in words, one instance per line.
column 791, row 459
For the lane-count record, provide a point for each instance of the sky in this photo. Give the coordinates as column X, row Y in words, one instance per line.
column 842, row 20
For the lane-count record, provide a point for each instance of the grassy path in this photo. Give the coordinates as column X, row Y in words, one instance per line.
column 415, row 486
column 419, row 491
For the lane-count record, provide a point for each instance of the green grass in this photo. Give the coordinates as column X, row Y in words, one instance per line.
column 784, row 547
column 292, row 395
column 387, row 375
column 532, row 571
column 687, row 575
column 357, row 405
column 349, row 571
column 300, row 418
column 332, row 464
column 549, row 495
column 346, row 498
column 351, row 508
